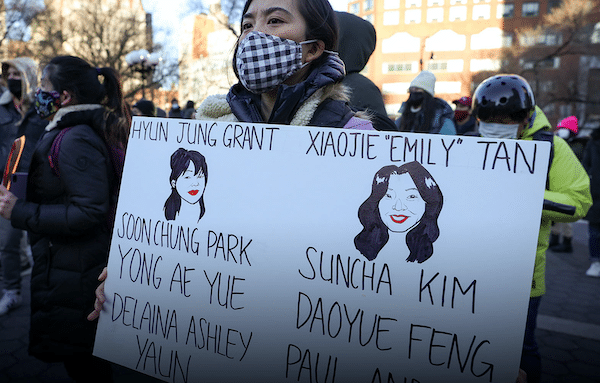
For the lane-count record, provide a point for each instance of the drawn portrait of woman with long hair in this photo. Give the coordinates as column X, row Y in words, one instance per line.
column 405, row 201
column 189, row 175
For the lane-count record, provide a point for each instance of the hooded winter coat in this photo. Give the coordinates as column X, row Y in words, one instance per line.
column 568, row 183
column 15, row 123
column 320, row 100
column 357, row 40
column 65, row 213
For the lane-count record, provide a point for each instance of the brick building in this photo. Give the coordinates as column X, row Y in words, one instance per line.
column 464, row 41
column 205, row 55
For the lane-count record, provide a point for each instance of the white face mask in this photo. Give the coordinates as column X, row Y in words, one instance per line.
column 495, row 130
column 563, row 133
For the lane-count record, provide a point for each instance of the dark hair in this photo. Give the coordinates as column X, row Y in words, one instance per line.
column 375, row 233
column 321, row 24
column 79, row 78
column 180, row 161
column 408, row 121
column 146, row 107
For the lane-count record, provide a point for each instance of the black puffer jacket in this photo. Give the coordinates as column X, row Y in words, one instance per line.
column 66, row 218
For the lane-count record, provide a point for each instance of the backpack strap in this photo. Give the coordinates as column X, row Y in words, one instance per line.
column 55, row 150
column 116, row 157
column 548, row 136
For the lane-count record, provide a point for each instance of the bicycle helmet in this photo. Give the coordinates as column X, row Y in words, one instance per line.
column 503, row 95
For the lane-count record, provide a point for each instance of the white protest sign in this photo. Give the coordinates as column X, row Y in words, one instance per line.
column 265, row 253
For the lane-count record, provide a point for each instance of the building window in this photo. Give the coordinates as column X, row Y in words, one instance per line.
column 551, row 63
column 433, row 3
column 481, row 12
column 553, row 4
column 413, row 3
column 481, row 1
column 368, row 5
column 546, row 86
column 355, row 8
column 397, row 67
column 370, row 18
column 412, row 16
column 391, row 18
column 435, row 15
column 458, row 13
column 531, row 9
column 454, row 2
column 550, row 39
column 505, row 10
column 391, row 4
column 437, row 66
column 480, row 65
column 527, row 40
column 491, row 38
column 595, row 37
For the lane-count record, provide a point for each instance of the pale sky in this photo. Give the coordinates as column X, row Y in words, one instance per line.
column 166, row 23
column 165, row 13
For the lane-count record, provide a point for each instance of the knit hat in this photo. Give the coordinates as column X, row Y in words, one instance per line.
column 426, row 81
column 569, row 123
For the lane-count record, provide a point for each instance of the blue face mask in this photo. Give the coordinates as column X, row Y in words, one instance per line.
column 46, row 103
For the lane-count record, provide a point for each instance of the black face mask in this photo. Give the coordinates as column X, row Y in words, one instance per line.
column 15, row 87
column 415, row 99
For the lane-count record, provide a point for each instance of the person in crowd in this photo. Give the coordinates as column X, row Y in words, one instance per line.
column 357, row 42
column 394, row 209
column 190, row 108
column 561, row 233
column 505, row 108
column 306, row 91
column 591, row 163
column 17, row 118
column 423, row 112
column 144, row 108
column 464, row 121
column 175, row 111
column 72, row 186
column 304, row 87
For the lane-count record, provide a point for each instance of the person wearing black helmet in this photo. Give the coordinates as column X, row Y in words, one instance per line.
column 505, row 107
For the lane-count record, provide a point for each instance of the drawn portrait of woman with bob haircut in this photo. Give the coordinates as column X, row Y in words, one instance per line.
column 405, row 200
column 189, row 175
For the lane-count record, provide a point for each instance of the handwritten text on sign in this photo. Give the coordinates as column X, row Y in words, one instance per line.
column 277, row 253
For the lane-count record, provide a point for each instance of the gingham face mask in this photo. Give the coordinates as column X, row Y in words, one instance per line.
column 265, row 61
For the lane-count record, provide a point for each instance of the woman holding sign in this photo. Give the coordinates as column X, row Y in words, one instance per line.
column 73, row 178
column 303, row 86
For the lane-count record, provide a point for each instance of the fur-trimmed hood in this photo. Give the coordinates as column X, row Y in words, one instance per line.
column 88, row 114
column 28, row 69
column 216, row 107
column 295, row 104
